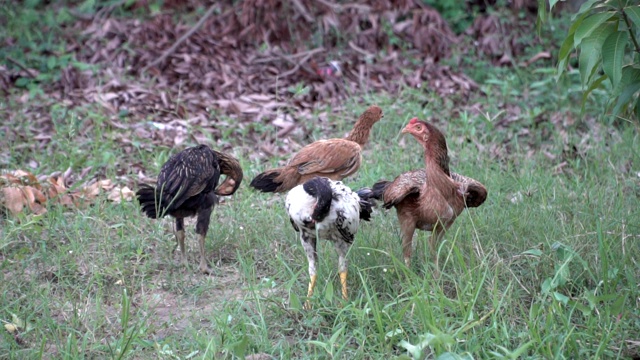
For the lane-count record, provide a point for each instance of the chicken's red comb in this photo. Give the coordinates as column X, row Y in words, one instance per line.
column 413, row 121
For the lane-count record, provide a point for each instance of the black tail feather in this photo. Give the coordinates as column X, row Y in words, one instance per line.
column 377, row 192
column 148, row 200
column 366, row 203
column 265, row 181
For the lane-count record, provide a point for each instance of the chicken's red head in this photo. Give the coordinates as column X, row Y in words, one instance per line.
column 425, row 133
column 417, row 128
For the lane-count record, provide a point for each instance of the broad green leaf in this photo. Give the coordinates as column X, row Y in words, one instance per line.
column 415, row 351
column 576, row 23
column 294, row 301
column 336, row 335
column 625, row 97
column 542, row 15
column 519, row 351
column 590, row 24
column 51, row 62
column 589, row 5
column 591, row 51
column 560, row 297
column 546, row 286
column 613, row 54
column 22, row 82
column 633, row 13
column 567, row 45
column 630, row 75
column 328, row 292
column 454, row 356
column 552, row 3
column 534, row 252
column 563, row 275
column 563, row 55
column 580, row 306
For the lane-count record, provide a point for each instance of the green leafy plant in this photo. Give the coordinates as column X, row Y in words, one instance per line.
column 606, row 33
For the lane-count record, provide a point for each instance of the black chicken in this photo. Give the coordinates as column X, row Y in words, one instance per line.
column 187, row 186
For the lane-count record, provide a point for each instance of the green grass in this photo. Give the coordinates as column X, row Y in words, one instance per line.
column 547, row 268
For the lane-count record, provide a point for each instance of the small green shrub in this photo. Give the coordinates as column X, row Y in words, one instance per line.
column 606, row 34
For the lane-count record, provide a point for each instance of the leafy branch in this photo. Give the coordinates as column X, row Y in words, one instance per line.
column 605, row 34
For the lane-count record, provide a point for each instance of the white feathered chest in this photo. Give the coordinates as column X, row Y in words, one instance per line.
column 341, row 221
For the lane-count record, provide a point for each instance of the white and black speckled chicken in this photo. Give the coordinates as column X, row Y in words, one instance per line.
column 188, row 186
column 323, row 208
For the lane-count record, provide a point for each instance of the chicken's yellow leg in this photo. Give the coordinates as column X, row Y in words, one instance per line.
column 312, row 285
column 343, row 282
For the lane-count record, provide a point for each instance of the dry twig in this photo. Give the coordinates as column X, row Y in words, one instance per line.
column 184, row 37
column 19, row 64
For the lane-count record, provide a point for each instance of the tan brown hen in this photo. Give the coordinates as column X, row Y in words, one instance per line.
column 428, row 199
column 332, row 158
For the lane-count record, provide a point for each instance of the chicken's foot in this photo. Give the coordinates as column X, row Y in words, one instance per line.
column 312, row 285
column 204, row 267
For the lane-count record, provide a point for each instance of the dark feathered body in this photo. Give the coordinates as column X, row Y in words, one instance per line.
column 323, row 208
column 188, row 185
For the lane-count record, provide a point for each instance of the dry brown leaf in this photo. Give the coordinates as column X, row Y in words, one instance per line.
column 118, row 194
column 37, row 209
column 55, row 188
column 90, row 191
column 35, row 199
column 105, row 184
column 65, row 200
column 13, row 199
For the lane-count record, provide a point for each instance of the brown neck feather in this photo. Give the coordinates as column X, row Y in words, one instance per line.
column 437, row 169
column 435, row 149
column 362, row 128
column 438, row 155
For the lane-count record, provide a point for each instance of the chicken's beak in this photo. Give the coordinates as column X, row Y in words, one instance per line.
column 405, row 130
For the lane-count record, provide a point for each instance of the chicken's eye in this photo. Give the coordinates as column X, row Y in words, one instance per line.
column 419, row 128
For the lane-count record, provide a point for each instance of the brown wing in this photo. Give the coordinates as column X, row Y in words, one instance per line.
column 327, row 157
column 474, row 192
column 404, row 185
column 410, row 182
column 230, row 167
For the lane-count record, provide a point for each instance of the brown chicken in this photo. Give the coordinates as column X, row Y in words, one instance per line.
column 188, row 186
column 332, row 158
column 428, row 199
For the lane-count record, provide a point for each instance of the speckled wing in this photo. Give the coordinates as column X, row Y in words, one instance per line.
column 327, row 157
column 405, row 184
column 409, row 183
column 474, row 192
column 187, row 173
